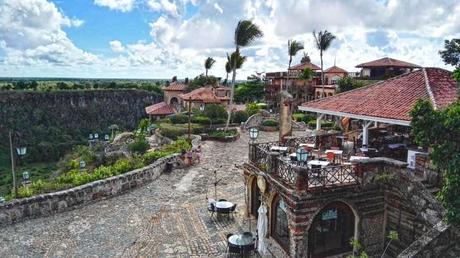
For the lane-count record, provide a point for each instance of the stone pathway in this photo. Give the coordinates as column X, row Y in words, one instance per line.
column 166, row 218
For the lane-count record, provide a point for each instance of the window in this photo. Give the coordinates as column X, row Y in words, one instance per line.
column 280, row 228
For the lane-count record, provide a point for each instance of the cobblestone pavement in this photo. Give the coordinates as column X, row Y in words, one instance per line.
column 166, row 218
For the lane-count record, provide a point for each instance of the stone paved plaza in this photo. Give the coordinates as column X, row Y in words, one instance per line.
column 166, row 218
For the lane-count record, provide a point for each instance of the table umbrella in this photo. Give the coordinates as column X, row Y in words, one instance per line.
column 262, row 224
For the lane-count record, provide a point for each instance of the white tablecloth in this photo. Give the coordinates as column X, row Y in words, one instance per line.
column 318, row 163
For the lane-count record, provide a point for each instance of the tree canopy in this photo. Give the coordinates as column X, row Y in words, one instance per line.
column 202, row 80
column 440, row 130
column 251, row 91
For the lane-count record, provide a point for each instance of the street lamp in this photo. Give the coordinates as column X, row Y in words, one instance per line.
column 82, row 165
column 301, row 155
column 96, row 136
column 253, row 133
column 20, row 151
column 25, row 177
column 106, row 137
column 91, row 136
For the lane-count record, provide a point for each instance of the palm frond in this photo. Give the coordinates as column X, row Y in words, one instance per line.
column 246, row 32
column 323, row 39
column 209, row 62
column 294, row 47
column 228, row 67
column 235, row 60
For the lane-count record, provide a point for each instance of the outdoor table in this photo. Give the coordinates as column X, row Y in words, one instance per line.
column 396, row 145
column 352, row 158
column 309, row 145
column 224, row 205
column 318, row 163
column 336, row 152
column 279, row 148
column 243, row 241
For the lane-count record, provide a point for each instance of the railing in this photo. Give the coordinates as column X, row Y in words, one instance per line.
column 288, row 172
column 332, row 176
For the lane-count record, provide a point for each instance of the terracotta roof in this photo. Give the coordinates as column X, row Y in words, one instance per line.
column 335, row 69
column 388, row 62
column 176, row 87
column 203, row 94
column 391, row 100
column 160, row 109
column 302, row 66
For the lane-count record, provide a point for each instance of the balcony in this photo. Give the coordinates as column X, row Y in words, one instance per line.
column 301, row 176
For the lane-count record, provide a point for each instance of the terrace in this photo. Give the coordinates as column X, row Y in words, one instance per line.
column 301, row 164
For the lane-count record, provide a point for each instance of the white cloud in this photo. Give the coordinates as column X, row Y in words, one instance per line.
column 118, row 5
column 169, row 8
column 116, row 46
column 31, row 32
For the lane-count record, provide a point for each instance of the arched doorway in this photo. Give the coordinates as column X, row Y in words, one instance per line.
column 331, row 231
column 255, row 198
column 175, row 103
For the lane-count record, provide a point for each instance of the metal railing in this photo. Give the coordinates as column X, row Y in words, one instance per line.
column 332, row 176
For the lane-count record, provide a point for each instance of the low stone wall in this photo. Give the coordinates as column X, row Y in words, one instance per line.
column 268, row 128
column 47, row 204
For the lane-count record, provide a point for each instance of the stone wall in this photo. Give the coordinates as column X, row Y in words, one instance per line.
column 47, row 204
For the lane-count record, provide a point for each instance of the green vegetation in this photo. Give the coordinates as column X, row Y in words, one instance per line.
column 252, row 108
column 451, row 55
column 139, row 146
column 305, row 117
column 223, row 134
column 201, row 81
column 270, row 122
column 179, row 119
column 440, row 130
column 73, row 176
column 201, row 119
column 324, row 123
column 347, row 83
column 251, row 91
column 216, row 113
column 239, row 116
column 175, row 131
column 359, row 252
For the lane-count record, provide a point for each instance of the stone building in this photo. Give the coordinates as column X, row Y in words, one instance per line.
column 385, row 68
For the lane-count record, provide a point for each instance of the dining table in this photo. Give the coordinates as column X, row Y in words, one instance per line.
column 354, row 158
column 244, row 241
column 279, row 148
column 317, row 162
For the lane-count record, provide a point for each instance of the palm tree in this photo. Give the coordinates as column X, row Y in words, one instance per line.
column 306, row 75
column 228, row 69
column 208, row 63
column 293, row 48
column 323, row 41
column 245, row 34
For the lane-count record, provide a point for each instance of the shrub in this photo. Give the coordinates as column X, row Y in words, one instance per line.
column 202, row 120
column 239, row 116
column 140, row 146
column 179, row 119
column 223, row 134
column 25, row 191
column 215, row 112
column 152, row 156
column 297, row 117
column 325, row 124
column 252, row 108
column 270, row 122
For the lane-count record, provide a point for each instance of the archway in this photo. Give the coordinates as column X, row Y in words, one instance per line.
column 331, row 230
column 255, row 198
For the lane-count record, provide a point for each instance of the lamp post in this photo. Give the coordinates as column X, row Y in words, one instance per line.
column 301, row 155
column 20, row 151
column 25, row 177
column 82, row 165
column 253, row 134
column 106, row 137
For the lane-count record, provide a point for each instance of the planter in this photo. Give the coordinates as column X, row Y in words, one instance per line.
column 265, row 128
column 206, row 137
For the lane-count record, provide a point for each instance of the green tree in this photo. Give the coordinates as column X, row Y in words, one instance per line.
column 293, row 48
column 208, row 63
column 306, row 74
column 345, row 84
column 451, row 53
column 245, row 34
column 323, row 40
column 201, row 81
column 215, row 112
column 228, row 70
column 440, row 130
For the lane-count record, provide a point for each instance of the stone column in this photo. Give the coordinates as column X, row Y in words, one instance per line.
column 273, row 166
column 285, row 116
column 301, row 183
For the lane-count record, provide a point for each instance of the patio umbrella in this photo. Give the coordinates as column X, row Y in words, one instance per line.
column 262, row 223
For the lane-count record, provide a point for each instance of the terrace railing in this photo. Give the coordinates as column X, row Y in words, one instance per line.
column 293, row 175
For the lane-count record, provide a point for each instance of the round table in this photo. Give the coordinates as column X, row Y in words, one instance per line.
column 243, row 241
column 224, row 205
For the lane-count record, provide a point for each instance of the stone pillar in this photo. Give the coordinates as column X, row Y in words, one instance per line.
column 285, row 116
column 366, row 133
column 301, row 183
column 274, row 159
column 318, row 121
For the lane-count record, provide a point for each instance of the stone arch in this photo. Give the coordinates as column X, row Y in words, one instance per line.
column 344, row 209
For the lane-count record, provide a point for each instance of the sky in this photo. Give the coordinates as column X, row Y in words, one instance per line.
column 166, row 38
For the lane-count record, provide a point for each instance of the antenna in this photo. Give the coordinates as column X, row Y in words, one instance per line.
column 335, row 57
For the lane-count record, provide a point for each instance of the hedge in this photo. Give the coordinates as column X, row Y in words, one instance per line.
column 327, row 124
column 178, row 119
column 270, row 122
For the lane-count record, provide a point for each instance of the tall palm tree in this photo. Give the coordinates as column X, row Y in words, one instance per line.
column 293, row 48
column 323, row 40
column 208, row 63
column 245, row 34
column 228, row 69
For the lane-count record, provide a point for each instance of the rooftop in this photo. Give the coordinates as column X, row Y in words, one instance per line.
column 176, row 87
column 390, row 101
column 388, row 62
column 335, row 69
column 160, row 109
column 203, row 94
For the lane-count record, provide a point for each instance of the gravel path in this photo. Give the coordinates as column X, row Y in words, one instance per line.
column 166, row 218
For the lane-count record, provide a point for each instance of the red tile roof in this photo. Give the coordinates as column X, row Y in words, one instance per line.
column 160, row 109
column 302, row 66
column 176, row 87
column 335, row 69
column 391, row 99
column 203, row 94
column 388, row 62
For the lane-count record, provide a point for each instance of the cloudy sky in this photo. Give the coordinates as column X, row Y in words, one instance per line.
column 163, row 38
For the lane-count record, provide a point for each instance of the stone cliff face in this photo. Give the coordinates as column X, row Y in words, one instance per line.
column 48, row 120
